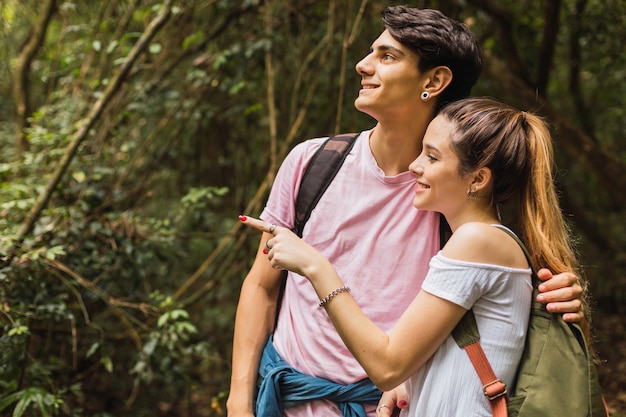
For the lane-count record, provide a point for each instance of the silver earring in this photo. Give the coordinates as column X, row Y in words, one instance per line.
column 425, row 95
column 471, row 193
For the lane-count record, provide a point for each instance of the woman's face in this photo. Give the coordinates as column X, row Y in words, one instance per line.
column 439, row 184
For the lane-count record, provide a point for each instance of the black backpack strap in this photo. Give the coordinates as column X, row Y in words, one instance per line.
column 318, row 175
column 444, row 231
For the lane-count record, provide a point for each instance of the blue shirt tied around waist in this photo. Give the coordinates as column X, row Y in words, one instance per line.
column 283, row 386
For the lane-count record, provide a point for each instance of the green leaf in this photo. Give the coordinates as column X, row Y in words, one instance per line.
column 53, row 252
column 18, row 330
column 107, row 363
column 92, row 349
column 10, row 399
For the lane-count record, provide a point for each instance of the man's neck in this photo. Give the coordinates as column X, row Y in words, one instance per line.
column 394, row 149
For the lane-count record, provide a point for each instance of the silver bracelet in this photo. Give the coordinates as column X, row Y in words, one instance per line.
column 332, row 295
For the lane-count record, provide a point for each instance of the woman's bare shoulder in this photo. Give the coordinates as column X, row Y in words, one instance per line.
column 483, row 243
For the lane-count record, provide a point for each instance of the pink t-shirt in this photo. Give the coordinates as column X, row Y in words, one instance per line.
column 380, row 245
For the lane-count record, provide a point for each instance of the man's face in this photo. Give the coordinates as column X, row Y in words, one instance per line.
column 390, row 80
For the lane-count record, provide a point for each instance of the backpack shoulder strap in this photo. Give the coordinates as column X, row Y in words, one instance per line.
column 444, row 231
column 467, row 337
column 319, row 173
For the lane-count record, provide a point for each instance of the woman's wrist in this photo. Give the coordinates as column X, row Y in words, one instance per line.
column 323, row 276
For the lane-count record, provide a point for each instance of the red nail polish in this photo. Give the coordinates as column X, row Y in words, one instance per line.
column 265, row 251
column 242, row 218
column 402, row 403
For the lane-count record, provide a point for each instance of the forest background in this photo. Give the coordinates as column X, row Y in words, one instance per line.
column 133, row 132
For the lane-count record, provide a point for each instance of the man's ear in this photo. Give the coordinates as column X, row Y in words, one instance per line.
column 438, row 80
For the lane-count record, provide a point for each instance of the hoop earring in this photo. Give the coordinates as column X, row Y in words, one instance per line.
column 471, row 193
column 425, row 95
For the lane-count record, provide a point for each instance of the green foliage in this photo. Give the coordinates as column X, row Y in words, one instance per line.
column 120, row 300
column 46, row 403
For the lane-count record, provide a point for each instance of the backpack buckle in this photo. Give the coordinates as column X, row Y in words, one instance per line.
column 494, row 389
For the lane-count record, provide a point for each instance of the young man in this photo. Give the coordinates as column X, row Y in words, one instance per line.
column 364, row 224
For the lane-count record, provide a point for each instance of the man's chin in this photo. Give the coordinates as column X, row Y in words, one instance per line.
column 362, row 105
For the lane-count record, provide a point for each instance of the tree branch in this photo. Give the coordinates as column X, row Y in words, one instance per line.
column 21, row 70
column 548, row 45
column 271, row 78
column 348, row 39
column 88, row 122
column 583, row 115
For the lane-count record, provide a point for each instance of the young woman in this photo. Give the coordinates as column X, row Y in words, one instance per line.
column 477, row 154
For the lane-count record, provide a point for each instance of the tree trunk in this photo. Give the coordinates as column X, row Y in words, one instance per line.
column 21, row 70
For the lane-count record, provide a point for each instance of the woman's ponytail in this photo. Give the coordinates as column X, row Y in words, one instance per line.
column 543, row 225
column 544, row 229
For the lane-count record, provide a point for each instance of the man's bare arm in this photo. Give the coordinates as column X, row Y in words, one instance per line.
column 253, row 324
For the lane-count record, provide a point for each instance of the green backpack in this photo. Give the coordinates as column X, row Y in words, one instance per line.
column 556, row 375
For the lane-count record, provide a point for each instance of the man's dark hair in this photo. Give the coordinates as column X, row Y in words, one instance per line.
column 438, row 40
